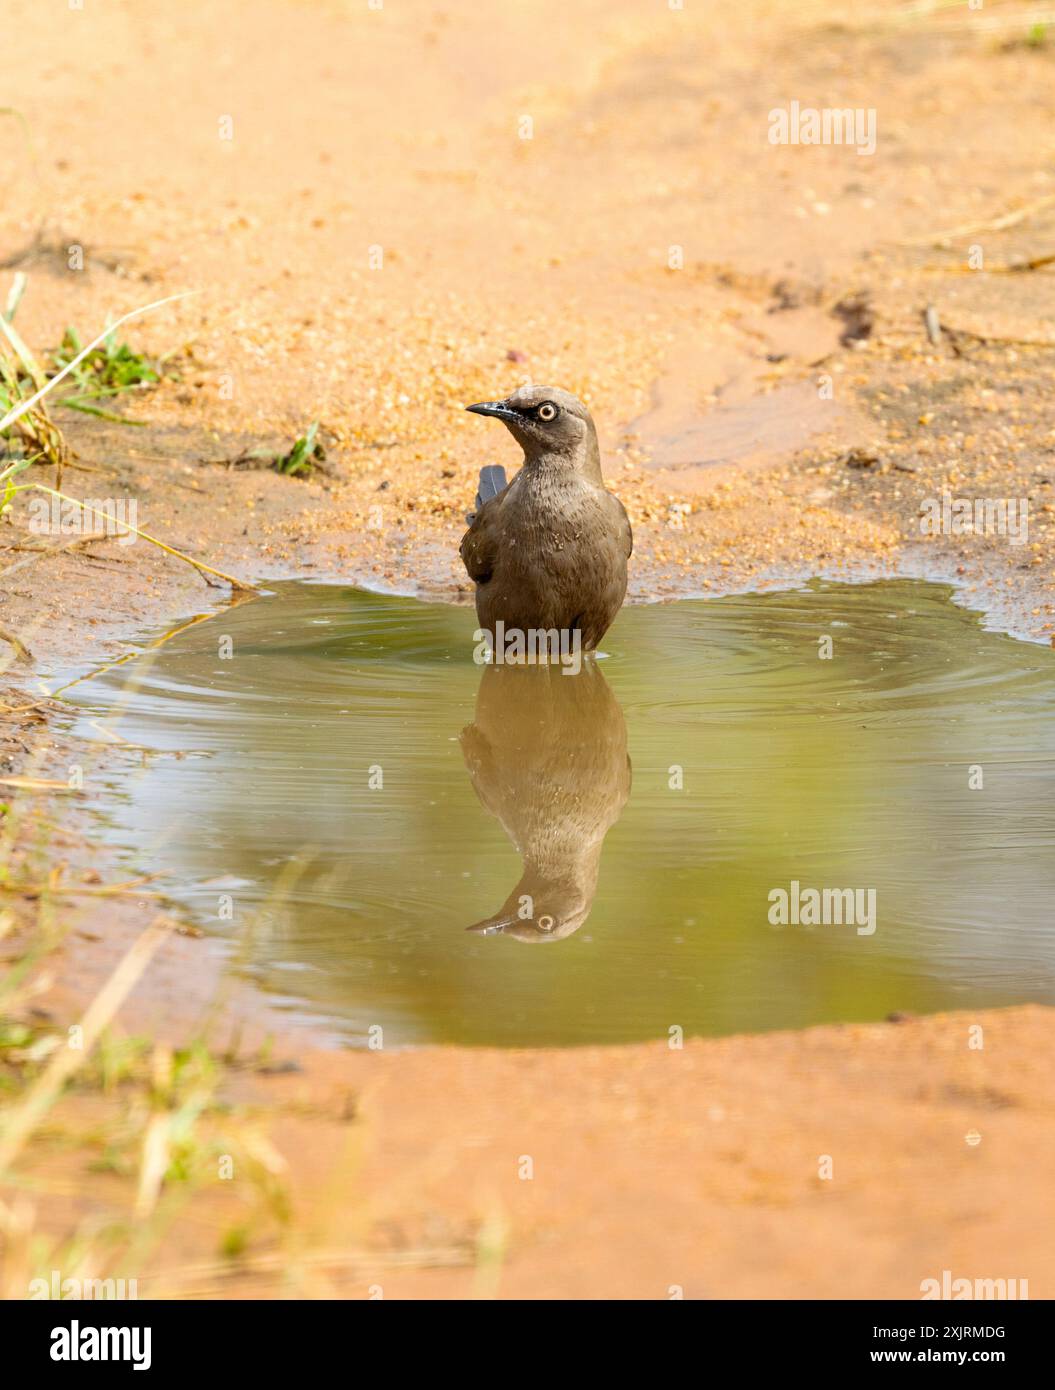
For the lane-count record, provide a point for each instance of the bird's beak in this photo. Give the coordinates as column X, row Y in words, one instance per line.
column 491, row 926
column 497, row 408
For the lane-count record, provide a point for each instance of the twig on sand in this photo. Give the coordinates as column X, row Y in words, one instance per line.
column 203, row 569
column 38, row 552
column 34, row 784
column 1010, row 268
column 22, row 652
column 936, row 330
column 130, row 888
column 990, row 339
column 1020, row 267
column 993, row 224
column 16, row 711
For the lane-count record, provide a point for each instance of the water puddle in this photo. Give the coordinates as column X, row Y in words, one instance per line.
column 458, row 854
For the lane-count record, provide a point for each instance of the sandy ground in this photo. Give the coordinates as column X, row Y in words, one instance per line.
column 377, row 246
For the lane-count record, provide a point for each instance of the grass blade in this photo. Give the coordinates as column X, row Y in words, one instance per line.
column 20, row 409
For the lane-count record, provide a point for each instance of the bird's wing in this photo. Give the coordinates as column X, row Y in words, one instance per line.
column 485, row 776
column 479, row 547
column 622, row 521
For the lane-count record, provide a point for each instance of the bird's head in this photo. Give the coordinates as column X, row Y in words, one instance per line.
column 548, row 422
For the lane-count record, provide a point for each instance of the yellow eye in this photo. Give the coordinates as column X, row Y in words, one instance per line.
column 547, row 411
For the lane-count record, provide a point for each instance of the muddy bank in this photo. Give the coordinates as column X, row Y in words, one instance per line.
column 839, row 1162
column 706, row 1168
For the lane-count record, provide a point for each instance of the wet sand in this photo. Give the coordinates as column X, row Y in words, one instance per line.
column 759, row 428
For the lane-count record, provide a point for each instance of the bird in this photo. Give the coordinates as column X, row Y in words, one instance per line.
column 547, row 756
column 550, row 549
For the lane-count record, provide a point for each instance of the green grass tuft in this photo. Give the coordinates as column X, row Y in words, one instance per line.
column 109, row 370
column 300, row 460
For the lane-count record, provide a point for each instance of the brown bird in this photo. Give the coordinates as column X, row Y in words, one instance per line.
column 547, row 756
column 550, row 550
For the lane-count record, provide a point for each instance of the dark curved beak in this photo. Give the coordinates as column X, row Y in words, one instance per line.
column 499, row 409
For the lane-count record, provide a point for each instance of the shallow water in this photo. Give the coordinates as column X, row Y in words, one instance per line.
column 340, row 799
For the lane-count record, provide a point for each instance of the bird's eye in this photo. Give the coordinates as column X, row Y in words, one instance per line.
column 547, row 411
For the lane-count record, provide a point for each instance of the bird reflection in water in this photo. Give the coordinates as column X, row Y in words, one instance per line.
column 547, row 757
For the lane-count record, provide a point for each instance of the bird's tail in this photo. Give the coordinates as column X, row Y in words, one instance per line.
column 492, row 482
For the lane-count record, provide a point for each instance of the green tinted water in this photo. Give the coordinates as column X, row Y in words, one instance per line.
column 354, row 789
